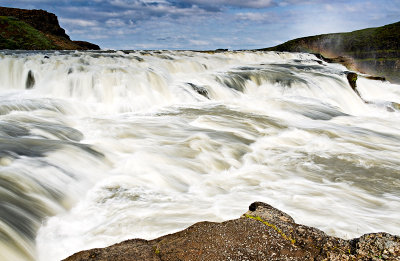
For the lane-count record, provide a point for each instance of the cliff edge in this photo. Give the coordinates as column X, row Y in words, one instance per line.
column 35, row 30
column 374, row 51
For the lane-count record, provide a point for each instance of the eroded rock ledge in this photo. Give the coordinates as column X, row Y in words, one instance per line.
column 262, row 233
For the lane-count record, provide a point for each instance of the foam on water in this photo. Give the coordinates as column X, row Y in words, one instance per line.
column 103, row 147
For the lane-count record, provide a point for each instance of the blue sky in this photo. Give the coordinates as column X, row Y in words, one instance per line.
column 209, row 24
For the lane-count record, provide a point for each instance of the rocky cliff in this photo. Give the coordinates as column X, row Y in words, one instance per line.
column 35, row 30
column 374, row 51
column 262, row 233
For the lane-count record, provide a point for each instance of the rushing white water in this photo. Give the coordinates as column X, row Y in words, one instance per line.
column 96, row 148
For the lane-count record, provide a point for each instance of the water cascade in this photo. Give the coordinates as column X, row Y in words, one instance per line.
column 99, row 147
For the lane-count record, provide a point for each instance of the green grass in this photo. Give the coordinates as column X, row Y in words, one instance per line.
column 15, row 34
column 374, row 50
column 372, row 41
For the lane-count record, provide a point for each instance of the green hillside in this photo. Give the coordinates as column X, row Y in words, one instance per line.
column 374, row 50
column 16, row 34
column 22, row 29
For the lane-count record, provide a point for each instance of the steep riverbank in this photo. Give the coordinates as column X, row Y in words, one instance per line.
column 374, row 51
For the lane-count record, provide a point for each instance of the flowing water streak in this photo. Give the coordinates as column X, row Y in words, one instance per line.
column 113, row 146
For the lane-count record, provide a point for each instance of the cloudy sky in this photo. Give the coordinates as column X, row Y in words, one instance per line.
column 209, row 24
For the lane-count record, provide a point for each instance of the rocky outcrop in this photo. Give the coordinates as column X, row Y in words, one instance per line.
column 352, row 79
column 87, row 45
column 374, row 51
column 262, row 233
column 35, row 30
column 44, row 21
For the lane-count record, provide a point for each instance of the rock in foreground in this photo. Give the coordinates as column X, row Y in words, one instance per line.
column 263, row 233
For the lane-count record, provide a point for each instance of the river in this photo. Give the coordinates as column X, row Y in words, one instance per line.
column 99, row 147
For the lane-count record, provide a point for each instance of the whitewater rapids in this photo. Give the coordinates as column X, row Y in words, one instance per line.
column 99, row 147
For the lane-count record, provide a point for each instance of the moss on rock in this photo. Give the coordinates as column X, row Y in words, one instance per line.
column 352, row 79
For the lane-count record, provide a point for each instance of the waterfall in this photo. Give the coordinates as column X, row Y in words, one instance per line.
column 99, row 147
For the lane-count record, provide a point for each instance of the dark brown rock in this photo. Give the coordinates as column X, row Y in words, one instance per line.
column 262, row 233
column 30, row 80
column 352, row 79
column 87, row 45
column 376, row 78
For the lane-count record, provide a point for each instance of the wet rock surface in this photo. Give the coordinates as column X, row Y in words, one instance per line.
column 352, row 79
column 262, row 233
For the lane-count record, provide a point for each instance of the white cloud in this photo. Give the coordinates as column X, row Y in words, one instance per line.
column 97, row 36
column 78, row 22
column 236, row 3
column 199, row 42
column 329, row 7
column 255, row 17
column 115, row 23
column 137, row 3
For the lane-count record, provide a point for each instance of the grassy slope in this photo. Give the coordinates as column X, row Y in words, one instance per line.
column 383, row 39
column 15, row 34
column 374, row 50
